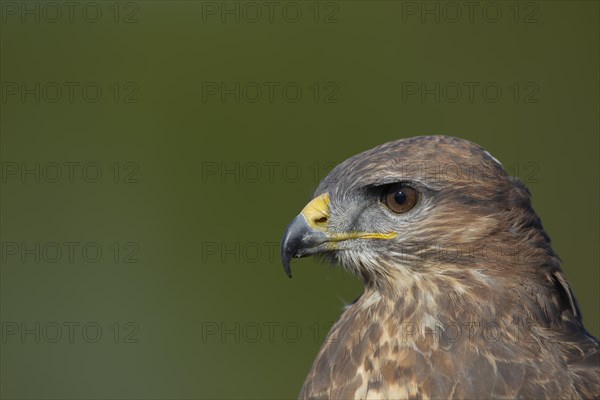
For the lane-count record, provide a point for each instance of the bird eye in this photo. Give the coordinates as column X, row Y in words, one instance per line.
column 400, row 198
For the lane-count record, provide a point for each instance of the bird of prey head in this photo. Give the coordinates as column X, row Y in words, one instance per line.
column 441, row 236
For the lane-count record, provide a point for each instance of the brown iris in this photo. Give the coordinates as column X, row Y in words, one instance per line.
column 400, row 198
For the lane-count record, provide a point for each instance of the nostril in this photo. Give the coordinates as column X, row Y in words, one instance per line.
column 321, row 220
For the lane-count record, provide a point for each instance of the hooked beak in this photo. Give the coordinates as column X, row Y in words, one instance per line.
column 309, row 234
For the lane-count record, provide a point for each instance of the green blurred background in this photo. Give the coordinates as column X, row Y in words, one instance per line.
column 210, row 126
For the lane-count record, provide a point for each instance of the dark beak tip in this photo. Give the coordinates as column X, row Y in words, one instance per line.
column 286, row 254
column 285, row 260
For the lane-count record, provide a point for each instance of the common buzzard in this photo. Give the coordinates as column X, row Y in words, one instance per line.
column 464, row 296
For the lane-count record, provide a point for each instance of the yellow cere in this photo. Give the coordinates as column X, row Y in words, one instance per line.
column 317, row 210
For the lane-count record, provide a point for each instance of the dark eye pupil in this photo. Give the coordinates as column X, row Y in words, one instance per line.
column 400, row 197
